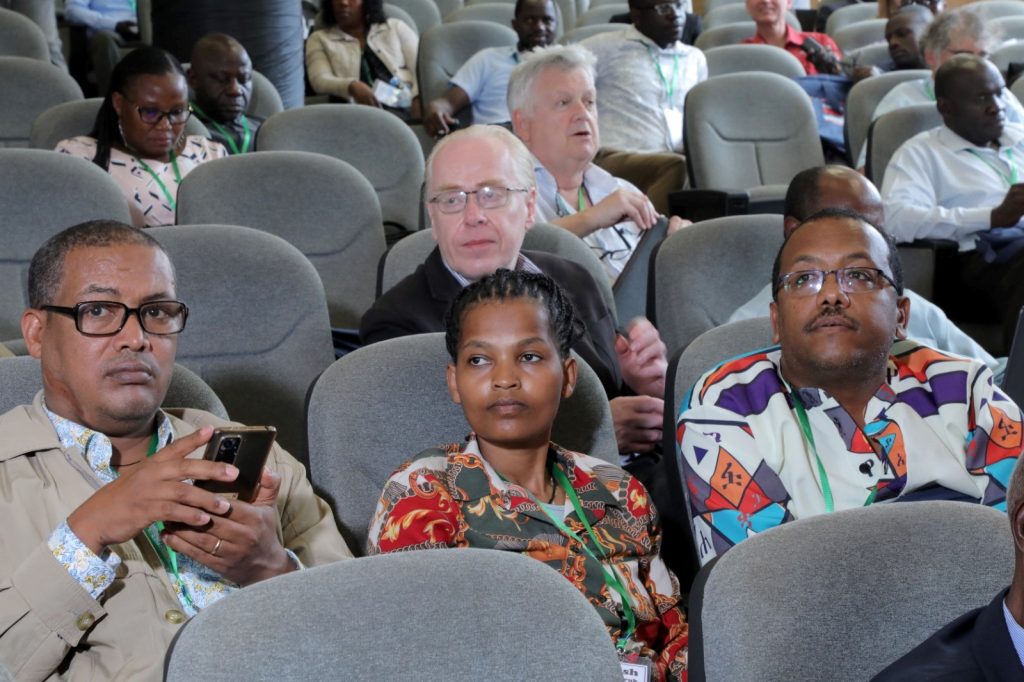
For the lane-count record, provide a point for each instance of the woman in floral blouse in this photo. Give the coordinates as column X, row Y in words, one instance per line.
column 509, row 488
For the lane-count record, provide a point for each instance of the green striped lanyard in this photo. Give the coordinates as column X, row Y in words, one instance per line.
column 611, row 577
column 670, row 87
column 826, row 487
column 1010, row 179
column 228, row 137
column 168, row 557
column 163, row 188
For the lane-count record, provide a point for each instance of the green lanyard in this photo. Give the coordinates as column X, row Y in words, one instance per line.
column 1010, row 179
column 163, row 188
column 168, row 557
column 826, row 487
column 611, row 577
column 670, row 87
column 580, row 200
column 228, row 137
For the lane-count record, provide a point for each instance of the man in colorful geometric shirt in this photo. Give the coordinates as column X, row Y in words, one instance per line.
column 107, row 547
column 838, row 415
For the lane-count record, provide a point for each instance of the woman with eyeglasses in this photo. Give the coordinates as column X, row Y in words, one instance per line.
column 139, row 135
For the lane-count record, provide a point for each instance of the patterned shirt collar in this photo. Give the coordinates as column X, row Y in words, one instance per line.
column 592, row 493
column 523, row 264
column 96, row 447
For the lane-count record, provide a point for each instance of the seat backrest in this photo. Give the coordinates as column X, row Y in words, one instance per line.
column 601, row 14
column 893, row 129
column 30, row 87
column 407, row 254
column 711, row 349
column 78, row 117
column 710, row 5
column 860, row 34
column 743, row 130
column 731, row 14
column 863, row 100
column 495, row 12
column 726, row 34
column 424, row 12
column 921, row 564
column 396, row 12
column 402, row 380
column 1011, row 27
column 1018, row 88
column 306, row 629
column 870, row 55
column 42, row 193
column 378, row 144
column 258, row 331
column 993, row 9
column 446, row 47
column 21, row 378
column 21, row 37
column 446, row 7
column 318, row 204
column 265, row 100
column 726, row 59
column 581, row 33
column 850, row 14
column 1006, row 53
column 704, row 273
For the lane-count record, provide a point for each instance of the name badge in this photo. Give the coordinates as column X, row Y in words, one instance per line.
column 635, row 668
column 674, row 120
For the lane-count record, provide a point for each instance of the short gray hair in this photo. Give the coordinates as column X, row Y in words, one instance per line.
column 564, row 57
column 525, row 177
column 959, row 22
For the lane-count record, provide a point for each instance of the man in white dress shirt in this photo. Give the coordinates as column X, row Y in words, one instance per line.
column 961, row 180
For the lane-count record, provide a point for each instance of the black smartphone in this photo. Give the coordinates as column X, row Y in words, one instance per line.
column 246, row 447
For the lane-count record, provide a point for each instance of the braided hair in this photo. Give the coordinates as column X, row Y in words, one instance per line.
column 142, row 61
column 505, row 285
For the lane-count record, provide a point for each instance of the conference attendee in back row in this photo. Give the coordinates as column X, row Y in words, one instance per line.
column 846, row 411
column 986, row 644
column 553, row 103
column 220, row 78
column 481, row 197
column 817, row 52
column 139, row 135
column 108, row 547
column 482, row 82
column 642, row 76
column 816, row 189
column 961, row 181
column 110, row 26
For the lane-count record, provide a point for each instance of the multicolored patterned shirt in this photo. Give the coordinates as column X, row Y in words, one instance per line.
column 938, row 426
column 95, row 573
column 454, row 498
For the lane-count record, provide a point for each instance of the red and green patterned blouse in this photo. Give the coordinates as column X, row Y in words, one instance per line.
column 452, row 497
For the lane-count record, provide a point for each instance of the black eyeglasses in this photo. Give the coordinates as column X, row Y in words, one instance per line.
column 454, row 201
column 153, row 115
column 106, row 318
column 853, row 280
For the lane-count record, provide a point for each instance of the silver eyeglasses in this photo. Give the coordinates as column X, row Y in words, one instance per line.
column 666, row 8
column 106, row 318
column 454, row 201
column 855, row 280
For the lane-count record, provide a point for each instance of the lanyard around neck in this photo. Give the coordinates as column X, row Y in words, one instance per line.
column 168, row 557
column 228, row 137
column 1010, row 179
column 670, row 86
column 826, row 487
column 611, row 577
column 163, row 188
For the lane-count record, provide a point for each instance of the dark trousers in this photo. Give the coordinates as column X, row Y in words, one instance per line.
column 984, row 292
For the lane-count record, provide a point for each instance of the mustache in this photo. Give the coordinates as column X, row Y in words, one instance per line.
column 831, row 316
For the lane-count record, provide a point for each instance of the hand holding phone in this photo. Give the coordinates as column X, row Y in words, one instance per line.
column 247, row 448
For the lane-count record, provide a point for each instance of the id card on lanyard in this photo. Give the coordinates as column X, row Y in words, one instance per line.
column 635, row 668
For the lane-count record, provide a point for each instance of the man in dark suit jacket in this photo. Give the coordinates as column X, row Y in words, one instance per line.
column 987, row 643
column 482, row 195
